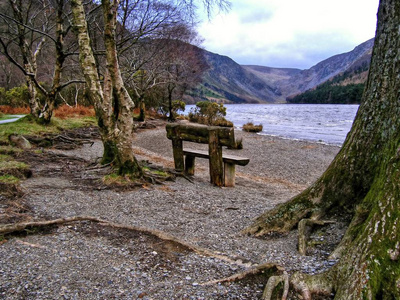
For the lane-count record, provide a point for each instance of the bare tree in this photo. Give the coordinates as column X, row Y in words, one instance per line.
column 184, row 65
column 31, row 27
column 113, row 105
column 363, row 180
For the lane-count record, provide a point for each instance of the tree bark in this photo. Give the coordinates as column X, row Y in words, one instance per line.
column 363, row 180
column 114, row 107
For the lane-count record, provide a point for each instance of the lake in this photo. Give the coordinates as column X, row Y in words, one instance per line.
column 325, row 123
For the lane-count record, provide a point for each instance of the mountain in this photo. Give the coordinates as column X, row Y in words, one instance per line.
column 228, row 82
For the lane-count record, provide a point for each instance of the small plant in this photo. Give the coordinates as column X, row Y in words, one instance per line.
column 250, row 127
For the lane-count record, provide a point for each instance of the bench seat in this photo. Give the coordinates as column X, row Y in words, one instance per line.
column 230, row 161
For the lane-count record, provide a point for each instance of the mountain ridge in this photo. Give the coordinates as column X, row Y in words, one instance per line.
column 228, row 82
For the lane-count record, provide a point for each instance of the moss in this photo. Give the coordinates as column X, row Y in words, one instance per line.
column 130, row 168
column 110, row 152
column 156, row 172
column 9, row 179
column 12, row 164
column 115, row 179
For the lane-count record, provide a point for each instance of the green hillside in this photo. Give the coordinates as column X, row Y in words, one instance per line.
column 345, row 88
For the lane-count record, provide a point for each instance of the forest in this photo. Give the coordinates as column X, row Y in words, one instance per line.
column 344, row 88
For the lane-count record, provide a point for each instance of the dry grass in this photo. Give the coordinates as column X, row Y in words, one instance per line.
column 62, row 112
column 65, row 111
column 8, row 110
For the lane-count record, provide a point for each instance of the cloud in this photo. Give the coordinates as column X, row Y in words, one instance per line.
column 289, row 33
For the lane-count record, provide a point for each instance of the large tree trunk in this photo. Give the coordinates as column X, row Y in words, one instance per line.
column 114, row 107
column 363, row 180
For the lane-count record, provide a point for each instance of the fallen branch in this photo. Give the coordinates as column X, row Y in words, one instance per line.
column 253, row 271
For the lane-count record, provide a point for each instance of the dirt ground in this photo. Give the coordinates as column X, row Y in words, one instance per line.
column 157, row 230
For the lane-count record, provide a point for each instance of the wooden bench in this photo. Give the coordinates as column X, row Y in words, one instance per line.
column 216, row 137
column 230, row 162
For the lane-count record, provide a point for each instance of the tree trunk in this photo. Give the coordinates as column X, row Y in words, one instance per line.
column 33, row 102
column 114, row 107
column 363, row 180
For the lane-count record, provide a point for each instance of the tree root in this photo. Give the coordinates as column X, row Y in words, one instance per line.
column 181, row 174
column 253, row 271
column 302, row 235
column 18, row 227
column 272, row 283
column 306, row 285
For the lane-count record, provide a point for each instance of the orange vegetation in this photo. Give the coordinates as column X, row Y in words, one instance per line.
column 61, row 112
column 66, row 111
column 8, row 110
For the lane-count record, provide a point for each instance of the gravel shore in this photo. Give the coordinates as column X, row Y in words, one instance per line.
column 94, row 261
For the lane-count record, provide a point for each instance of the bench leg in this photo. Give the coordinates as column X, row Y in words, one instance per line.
column 189, row 164
column 229, row 174
column 177, row 148
column 215, row 162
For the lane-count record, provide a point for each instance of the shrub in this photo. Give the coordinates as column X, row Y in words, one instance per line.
column 250, row 127
column 16, row 97
column 209, row 113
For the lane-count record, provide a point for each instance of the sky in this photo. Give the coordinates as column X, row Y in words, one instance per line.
column 289, row 33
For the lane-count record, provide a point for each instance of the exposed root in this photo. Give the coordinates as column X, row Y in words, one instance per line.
column 284, row 217
column 10, row 228
column 18, row 227
column 273, row 282
column 181, row 174
column 60, row 141
column 302, row 234
column 307, row 285
column 274, row 268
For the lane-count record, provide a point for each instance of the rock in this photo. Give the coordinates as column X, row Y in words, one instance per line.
column 19, row 141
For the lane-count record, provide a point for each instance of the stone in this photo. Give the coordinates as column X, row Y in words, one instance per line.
column 19, row 141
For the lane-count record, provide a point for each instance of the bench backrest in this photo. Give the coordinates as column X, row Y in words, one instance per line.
column 201, row 133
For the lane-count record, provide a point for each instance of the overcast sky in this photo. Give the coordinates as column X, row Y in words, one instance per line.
column 289, row 33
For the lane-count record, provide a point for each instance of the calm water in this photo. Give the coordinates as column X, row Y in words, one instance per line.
column 322, row 123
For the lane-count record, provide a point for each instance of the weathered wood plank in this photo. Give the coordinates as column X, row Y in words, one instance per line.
column 200, row 133
column 229, row 174
column 215, row 160
column 177, row 149
column 237, row 160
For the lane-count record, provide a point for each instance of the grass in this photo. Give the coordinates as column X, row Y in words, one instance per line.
column 27, row 126
column 6, row 117
column 9, row 164
column 9, row 179
column 65, row 118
